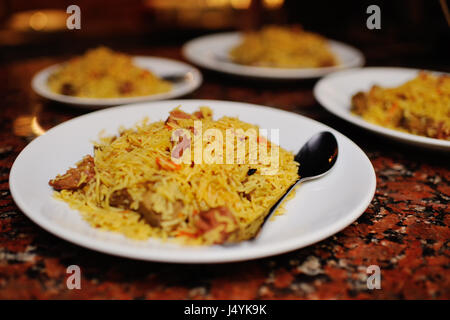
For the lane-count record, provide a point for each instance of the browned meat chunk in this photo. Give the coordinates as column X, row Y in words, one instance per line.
column 126, row 87
column 441, row 132
column 198, row 114
column 153, row 217
column 77, row 177
column 68, row 89
column 177, row 115
column 149, row 215
column 359, row 103
column 221, row 216
column 120, row 199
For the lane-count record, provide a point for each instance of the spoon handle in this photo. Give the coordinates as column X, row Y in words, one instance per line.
column 176, row 77
column 316, row 158
column 275, row 207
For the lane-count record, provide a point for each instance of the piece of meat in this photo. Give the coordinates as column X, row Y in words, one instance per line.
column 120, row 199
column 210, row 219
column 150, row 216
column 359, row 103
column 154, row 218
column 68, row 89
column 424, row 126
column 327, row 62
column 203, row 113
column 441, row 132
column 75, row 178
column 177, row 115
column 126, row 87
column 198, row 114
column 417, row 124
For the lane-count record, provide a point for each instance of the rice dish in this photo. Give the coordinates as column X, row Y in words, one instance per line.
column 283, row 47
column 132, row 184
column 103, row 73
column 420, row 106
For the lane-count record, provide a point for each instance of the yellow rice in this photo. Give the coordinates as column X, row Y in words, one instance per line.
column 283, row 47
column 129, row 161
column 103, row 73
column 419, row 106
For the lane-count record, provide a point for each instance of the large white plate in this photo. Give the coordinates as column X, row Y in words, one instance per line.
column 335, row 92
column 159, row 66
column 211, row 52
column 319, row 209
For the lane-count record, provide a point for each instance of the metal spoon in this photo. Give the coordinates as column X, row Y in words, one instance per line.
column 316, row 159
column 178, row 77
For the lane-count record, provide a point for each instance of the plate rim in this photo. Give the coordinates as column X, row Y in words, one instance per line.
column 43, row 91
column 255, row 72
column 344, row 114
column 219, row 257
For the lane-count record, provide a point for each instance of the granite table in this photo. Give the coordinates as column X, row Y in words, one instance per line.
column 405, row 229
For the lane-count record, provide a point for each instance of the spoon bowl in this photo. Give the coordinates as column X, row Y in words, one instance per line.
column 317, row 156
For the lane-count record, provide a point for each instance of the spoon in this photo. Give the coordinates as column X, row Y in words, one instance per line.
column 316, row 159
column 178, row 77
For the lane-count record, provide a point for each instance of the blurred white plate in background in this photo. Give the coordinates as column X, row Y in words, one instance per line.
column 159, row 66
column 335, row 92
column 211, row 52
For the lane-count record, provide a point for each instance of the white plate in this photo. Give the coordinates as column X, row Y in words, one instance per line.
column 335, row 92
column 211, row 52
column 159, row 66
column 319, row 209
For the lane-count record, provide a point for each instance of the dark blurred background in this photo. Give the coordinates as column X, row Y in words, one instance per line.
column 413, row 33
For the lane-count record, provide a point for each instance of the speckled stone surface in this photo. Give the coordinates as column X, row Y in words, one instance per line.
column 405, row 230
